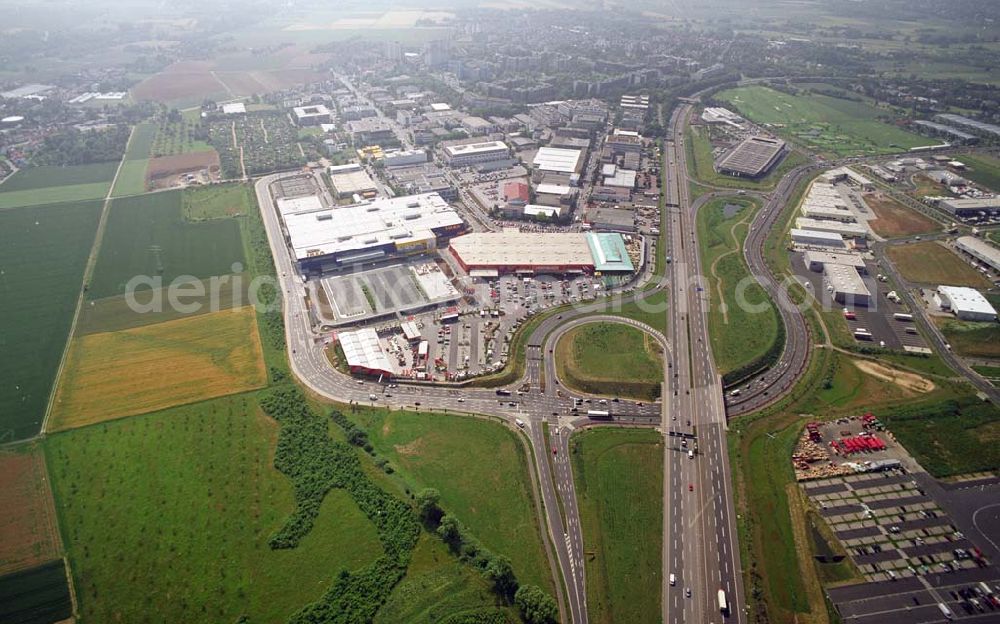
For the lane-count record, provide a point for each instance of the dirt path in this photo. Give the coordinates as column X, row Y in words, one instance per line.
column 907, row 381
column 263, row 129
column 243, row 166
column 718, row 280
column 87, row 274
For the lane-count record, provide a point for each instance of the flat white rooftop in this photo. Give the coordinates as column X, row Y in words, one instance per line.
column 825, row 257
column 481, row 249
column 557, row 159
column 475, row 148
column 299, row 204
column 845, row 279
column 965, row 299
column 851, row 229
column 363, row 349
column 818, row 235
column 553, row 189
column 363, row 226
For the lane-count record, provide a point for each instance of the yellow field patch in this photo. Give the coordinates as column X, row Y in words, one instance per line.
column 113, row 374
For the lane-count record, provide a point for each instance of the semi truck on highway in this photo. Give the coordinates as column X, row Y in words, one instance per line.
column 503, row 392
column 599, row 414
column 723, row 604
column 899, row 316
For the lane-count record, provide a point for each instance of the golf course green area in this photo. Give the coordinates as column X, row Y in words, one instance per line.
column 493, row 499
column 43, row 250
column 147, row 235
column 743, row 324
column 829, row 125
column 619, row 485
column 610, row 359
column 167, row 517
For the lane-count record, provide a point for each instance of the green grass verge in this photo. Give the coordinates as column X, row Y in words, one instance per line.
column 185, row 501
column 650, row 309
column 493, row 499
column 43, row 250
column 619, row 485
column 991, row 373
column 610, row 359
column 743, row 323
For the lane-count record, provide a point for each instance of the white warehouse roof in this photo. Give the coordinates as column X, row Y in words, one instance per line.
column 966, row 300
column 362, row 349
column 363, row 226
column 558, row 159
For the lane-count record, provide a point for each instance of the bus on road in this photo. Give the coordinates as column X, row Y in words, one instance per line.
column 599, row 414
column 723, row 605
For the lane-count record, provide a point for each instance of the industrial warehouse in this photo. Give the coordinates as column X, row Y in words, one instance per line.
column 324, row 239
column 498, row 253
column 753, row 157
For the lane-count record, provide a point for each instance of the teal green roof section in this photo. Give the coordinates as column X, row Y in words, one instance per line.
column 609, row 253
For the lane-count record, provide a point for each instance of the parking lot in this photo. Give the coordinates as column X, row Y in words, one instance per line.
column 878, row 317
column 383, row 291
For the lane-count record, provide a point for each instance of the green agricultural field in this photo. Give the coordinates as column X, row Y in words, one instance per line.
column 218, row 201
column 743, row 324
column 982, row 168
column 610, row 359
column 493, row 499
column 45, row 177
column 146, row 235
column 619, row 484
column 949, row 437
column 132, row 177
column 932, row 263
column 141, row 142
column 701, row 159
column 438, row 586
column 828, row 125
column 43, row 250
column 53, row 195
column 167, row 518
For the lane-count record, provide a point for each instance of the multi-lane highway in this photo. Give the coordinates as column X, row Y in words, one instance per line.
column 699, row 532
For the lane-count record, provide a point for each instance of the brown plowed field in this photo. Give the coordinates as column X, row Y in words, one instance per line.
column 29, row 534
column 164, row 166
column 179, row 81
column 895, row 219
